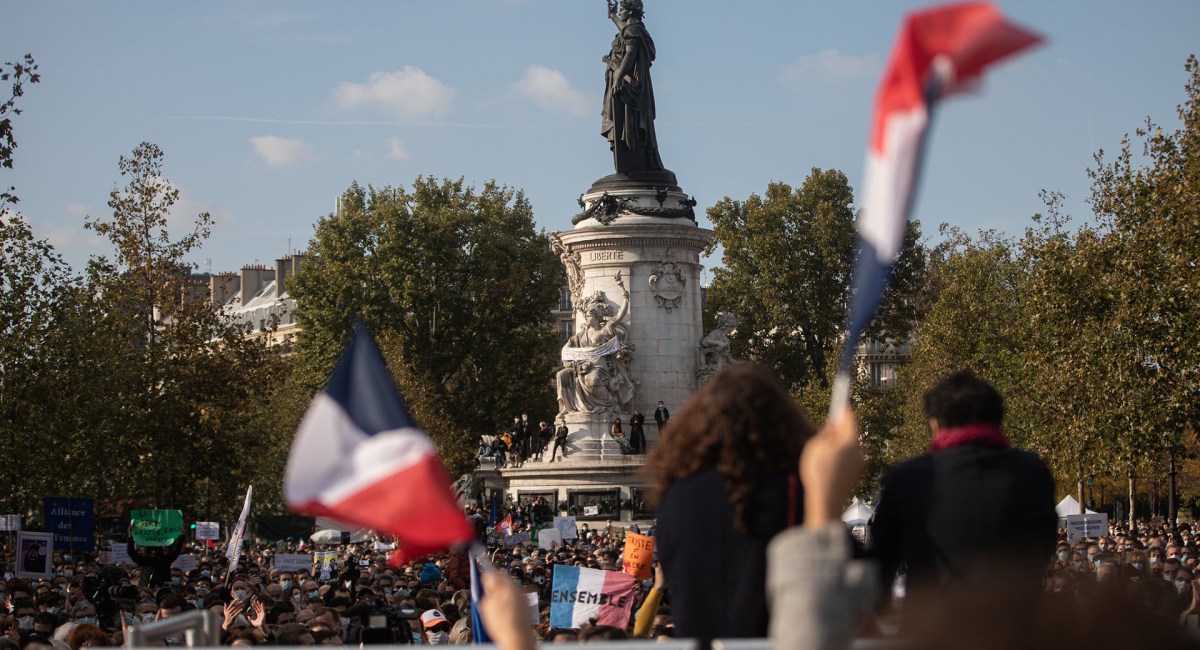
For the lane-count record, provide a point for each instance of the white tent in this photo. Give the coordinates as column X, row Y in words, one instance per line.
column 1069, row 506
column 858, row 514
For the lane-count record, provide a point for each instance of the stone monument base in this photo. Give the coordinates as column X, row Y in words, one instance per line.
column 613, row 489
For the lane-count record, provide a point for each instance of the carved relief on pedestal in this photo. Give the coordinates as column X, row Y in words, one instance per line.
column 713, row 352
column 570, row 261
column 666, row 285
column 596, row 359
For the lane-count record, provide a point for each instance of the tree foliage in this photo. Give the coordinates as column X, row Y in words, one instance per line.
column 18, row 73
column 786, row 265
column 457, row 286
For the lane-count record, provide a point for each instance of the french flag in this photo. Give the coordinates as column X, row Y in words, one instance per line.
column 579, row 595
column 358, row 457
column 939, row 52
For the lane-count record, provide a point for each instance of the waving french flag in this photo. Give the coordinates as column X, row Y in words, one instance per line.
column 358, row 457
column 940, row 51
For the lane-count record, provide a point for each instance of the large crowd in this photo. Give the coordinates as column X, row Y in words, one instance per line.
column 745, row 549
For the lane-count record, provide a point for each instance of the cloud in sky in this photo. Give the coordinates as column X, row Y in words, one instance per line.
column 829, row 64
column 283, row 152
column 409, row 93
column 396, row 150
column 552, row 91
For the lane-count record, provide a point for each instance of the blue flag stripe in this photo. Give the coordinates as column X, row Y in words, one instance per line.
column 362, row 385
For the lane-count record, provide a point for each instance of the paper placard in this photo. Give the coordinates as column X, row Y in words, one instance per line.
column 118, row 553
column 591, row 511
column 566, row 527
column 517, row 538
column 532, row 597
column 10, row 522
column 208, row 530
column 1082, row 526
column 186, row 563
column 293, row 562
column 549, row 539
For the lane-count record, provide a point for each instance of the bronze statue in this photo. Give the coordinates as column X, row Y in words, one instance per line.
column 627, row 119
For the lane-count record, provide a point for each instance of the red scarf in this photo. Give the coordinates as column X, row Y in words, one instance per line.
column 983, row 434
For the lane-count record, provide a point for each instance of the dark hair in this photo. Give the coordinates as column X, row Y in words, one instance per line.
column 962, row 399
column 741, row 422
column 601, row 633
column 290, row 633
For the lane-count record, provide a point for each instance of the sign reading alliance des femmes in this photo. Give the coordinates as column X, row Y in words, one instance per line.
column 72, row 521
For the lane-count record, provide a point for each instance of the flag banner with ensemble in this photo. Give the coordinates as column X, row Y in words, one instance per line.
column 579, row 594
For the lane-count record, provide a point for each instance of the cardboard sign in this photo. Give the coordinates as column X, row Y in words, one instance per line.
column 566, row 527
column 549, row 539
column 156, row 527
column 293, row 562
column 1082, row 526
column 581, row 594
column 208, row 530
column 186, row 563
column 10, row 523
column 639, row 555
column 72, row 521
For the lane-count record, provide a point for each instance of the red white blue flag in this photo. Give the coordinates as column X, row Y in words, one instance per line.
column 939, row 51
column 358, row 457
column 579, row 595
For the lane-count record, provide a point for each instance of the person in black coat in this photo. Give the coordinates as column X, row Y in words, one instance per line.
column 637, row 434
column 154, row 561
column 728, row 484
column 973, row 521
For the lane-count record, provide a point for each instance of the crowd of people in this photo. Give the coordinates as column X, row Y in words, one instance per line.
column 749, row 544
column 523, row 441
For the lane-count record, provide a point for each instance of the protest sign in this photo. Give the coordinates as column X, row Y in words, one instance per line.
column 516, row 538
column 591, row 511
column 208, row 530
column 118, row 553
column 1081, row 526
column 72, row 521
column 324, row 564
column 156, row 527
column 186, row 563
column 34, row 555
column 293, row 562
column 566, row 527
column 10, row 523
column 549, row 539
column 532, row 597
column 579, row 594
column 639, row 554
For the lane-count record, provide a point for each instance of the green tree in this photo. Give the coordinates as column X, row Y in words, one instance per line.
column 457, row 286
column 785, row 272
column 19, row 73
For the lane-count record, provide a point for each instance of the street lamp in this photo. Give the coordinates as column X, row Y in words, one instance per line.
column 1171, row 445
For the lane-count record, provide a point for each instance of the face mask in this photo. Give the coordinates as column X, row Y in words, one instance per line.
column 1077, row 565
column 344, row 622
column 1057, row 589
column 416, row 638
column 296, row 596
column 127, row 617
column 387, row 590
column 206, row 573
column 55, row 610
column 313, row 594
column 66, row 558
column 1181, row 586
column 176, row 581
column 1096, row 563
column 439, row 638
column 1062, row 555
column 86, row 619
column 285, row 585
column 25, row 623
column 539, row 580
column 1137, row 566
column 147, row 617
column 239, row 594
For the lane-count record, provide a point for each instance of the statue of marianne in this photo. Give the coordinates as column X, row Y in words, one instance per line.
column 627, row 119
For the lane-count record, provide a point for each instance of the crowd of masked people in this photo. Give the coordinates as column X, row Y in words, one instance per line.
column 965, row 551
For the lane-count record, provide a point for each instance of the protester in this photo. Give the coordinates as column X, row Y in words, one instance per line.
column 973, row 520
column 727, row 469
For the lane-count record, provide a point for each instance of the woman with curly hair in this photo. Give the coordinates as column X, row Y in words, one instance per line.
column 726, row 484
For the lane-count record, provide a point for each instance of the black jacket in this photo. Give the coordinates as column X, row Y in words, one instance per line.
column 715, row 574
column 963, row 518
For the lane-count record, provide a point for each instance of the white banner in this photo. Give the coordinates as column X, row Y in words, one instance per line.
column 1083, row 526
column 234, row 552
column 611, row 346
column 10, row 522
column 208, row 530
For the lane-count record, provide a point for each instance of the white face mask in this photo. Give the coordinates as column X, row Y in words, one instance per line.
column 439, row 638
column 25, row 623
column 147, row 617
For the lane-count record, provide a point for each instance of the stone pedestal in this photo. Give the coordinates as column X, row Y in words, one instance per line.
column 644, row 240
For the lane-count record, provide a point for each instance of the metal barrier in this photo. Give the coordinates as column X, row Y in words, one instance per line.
column 198, row 629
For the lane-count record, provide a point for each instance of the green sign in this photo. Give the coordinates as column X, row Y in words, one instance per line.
column 156, row 527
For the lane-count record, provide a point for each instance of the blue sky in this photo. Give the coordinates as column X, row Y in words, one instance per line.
column 268, row 110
